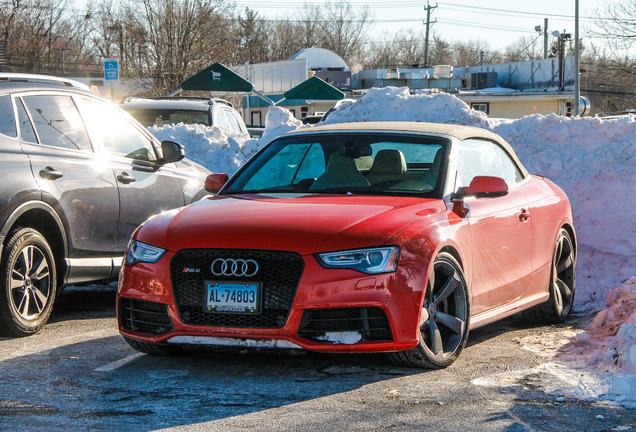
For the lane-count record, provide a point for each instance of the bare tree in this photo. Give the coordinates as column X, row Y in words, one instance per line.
column 343, row 30
column 615, row 23
column 525, row 48
column 37, row 34
column 468, row 53
column 179, row 38
column 253, row 38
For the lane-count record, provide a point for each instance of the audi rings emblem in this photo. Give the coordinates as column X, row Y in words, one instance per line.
column 234, row 267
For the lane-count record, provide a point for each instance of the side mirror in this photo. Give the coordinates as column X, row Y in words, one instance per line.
column 172, row 151
column 485, row 187
column 214, row 182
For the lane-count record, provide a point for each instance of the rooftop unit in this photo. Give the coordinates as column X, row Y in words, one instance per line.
column 478, row 80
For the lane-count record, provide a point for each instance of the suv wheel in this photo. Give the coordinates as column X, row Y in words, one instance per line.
column 28, row 283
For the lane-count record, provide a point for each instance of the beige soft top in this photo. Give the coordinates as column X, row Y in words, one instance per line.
column 460, row 132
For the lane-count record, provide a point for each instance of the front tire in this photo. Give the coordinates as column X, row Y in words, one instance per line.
column 28, row 283
column 444, row 320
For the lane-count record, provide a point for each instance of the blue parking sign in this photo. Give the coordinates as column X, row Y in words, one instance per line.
column 111, row 69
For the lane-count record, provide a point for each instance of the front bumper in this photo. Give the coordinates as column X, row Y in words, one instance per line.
column 332, row 310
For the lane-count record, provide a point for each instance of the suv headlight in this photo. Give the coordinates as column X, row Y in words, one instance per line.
column 369, row 261
column 142, row 252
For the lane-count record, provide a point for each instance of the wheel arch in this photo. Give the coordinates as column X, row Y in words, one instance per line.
column 42, row 218
column 454, row 253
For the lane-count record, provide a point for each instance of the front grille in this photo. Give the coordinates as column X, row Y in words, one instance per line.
column 371, row 322
column 279, row 273
column 144, row 317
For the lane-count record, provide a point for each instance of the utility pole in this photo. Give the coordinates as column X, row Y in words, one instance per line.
column 577, row 66
column 428, row 27
column 545, row 38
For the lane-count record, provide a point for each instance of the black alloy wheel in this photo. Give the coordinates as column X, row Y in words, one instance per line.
column 28, row 283
column 561, row 287
column 563, row 275
column 444, row 318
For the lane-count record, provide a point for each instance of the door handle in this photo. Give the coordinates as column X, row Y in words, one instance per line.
column 125, row 178
column 50, row 173
column 524, row 215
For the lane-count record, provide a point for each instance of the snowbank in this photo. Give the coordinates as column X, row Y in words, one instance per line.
column 592, row 159
column 608, row 347
column 219, row 150
column 397, row 104
column 216, row 149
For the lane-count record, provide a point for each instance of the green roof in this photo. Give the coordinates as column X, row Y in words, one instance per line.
column 314, row 89
column 217, row 78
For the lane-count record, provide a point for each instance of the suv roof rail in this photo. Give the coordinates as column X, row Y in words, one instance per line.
column 212, row 101
column 42, row 79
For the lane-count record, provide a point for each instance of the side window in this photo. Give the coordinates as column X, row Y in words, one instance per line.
column 115, row 133
column 7, row 118
column 485, row 158
column 220, row 120
column 234, row 125
column 57, row 122
column 27, row 133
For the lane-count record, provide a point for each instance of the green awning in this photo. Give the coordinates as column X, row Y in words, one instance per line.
column 314, row 89
column 217, row 78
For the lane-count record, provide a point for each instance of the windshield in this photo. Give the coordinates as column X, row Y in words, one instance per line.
column 150, row 116
column 347, row 163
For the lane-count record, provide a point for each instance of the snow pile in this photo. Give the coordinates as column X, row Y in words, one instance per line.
column 397, row 104
column 278, row 121
column 220, row 150
column 615, row 330
column 609, row 345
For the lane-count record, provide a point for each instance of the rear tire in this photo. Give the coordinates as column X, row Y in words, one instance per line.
column 28, row 283
column 444, row 320
column 153, row 349
column 558, row 307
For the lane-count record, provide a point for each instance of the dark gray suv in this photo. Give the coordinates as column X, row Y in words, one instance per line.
column 77, row 176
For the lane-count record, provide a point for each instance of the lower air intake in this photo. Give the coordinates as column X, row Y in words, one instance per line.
column 371, row 322
column 143, row 316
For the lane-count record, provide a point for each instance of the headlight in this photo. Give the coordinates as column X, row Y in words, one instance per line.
column 142, row 252
column 369, row 261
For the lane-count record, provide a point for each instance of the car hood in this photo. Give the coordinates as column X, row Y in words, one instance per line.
column 305, row 224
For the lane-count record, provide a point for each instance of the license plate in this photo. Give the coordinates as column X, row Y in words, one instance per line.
column 233, row 297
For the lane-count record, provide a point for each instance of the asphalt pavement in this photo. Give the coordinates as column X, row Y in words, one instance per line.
column 79, row 374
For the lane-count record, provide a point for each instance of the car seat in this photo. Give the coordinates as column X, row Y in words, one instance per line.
column 388, row 165
column 341, row 172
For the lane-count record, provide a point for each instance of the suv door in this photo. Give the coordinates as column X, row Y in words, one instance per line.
column 73, row 179
column 146, row 186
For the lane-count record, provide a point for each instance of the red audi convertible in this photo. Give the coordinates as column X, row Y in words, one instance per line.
column 360, row 237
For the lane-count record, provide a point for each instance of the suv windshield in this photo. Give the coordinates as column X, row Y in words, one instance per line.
column 149, row 116
column 348, row 163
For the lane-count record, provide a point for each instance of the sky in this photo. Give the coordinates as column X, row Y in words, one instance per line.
column 498, row 23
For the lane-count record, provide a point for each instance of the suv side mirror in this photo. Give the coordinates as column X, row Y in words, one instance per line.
column 172, row 151
column 485, row 187
column 214, row 182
